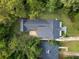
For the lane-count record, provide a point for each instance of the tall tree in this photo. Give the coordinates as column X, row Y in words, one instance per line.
column 35, row 8
column 51, row 5
column 26, row 45
column 13, row 7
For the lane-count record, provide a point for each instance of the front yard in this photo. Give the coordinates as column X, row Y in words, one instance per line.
column 72, row 27
column 74, row 57
column 73, row 46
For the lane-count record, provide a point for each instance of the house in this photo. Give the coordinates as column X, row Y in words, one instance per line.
column 45, row 29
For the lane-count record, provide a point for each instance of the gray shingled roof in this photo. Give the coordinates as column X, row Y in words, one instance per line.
column 53, row 51
column 45, row 28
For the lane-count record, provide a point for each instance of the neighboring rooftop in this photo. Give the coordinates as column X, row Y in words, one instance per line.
column 49, row 51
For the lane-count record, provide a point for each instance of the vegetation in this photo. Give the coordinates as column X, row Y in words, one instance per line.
column 72, row 45
column 17, row 45
column 54, row 42
column 74, row 57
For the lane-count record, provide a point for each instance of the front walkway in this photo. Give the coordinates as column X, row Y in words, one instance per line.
column 71, row 53
column 68, row 39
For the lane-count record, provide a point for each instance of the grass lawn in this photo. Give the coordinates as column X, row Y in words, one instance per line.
column 72, row 27
column 72, row 57
column 73, row 46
